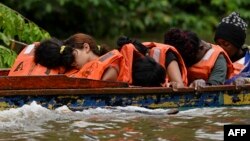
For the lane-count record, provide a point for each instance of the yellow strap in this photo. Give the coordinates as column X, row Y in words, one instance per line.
column 62, row 49
column 99, row 47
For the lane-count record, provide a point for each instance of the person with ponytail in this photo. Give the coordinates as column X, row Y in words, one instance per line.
column 138, row 69
column 147, row 72
column 207, row 64
column 79, row 52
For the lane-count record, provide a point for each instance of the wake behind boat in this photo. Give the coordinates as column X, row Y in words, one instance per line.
column 78, row 93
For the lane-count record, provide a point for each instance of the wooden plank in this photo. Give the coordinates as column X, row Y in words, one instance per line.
column 17, row 46
column 112, row 90
column 88, row 91
column 61, row 84
column 216, row 88
column 155, row 97
column 4, row 71
column 151, row 100
column 53, row 82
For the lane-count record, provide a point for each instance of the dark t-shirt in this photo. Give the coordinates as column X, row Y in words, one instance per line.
column 170, row 56
column 219, row 72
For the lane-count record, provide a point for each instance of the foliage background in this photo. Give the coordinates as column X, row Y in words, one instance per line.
column 15, row 26
column 108, row 19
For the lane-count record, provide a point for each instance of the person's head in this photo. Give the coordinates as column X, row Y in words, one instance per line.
column 186, row 42
column 51, row 53
column 86, row 48
column 79, row 39
column 75, row 51
column 121, row 41
column 148, row 73
column 230, row 34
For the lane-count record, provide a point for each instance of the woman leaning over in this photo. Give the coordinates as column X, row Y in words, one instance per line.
column 207, row 64
column 165, row 55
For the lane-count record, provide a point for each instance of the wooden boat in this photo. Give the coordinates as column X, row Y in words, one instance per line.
column 78, row 94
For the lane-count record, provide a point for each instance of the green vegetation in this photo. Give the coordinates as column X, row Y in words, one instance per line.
column 7, row 57
column 108, row 19
column 14, row 26
column 111, row 18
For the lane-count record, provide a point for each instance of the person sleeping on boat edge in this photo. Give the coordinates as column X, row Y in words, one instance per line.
column 171, row 60
column 138, row 69
column 147, row 72
column 80, row 51
column 166, row 56
column 207, row 64
column 141, row 62
column 71, row 69
column 230, row 34
column 24, row 64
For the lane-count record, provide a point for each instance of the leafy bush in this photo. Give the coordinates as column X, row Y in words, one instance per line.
column 14, row 26
column 107, row 19
column 7, row 57
column 111, row 18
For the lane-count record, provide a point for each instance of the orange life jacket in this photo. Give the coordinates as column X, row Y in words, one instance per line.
column 25, row 65
column 126, row 63
column 158, row 52
column 238, row 66
column 129, row 50
column 96, row 68
column 203, row 68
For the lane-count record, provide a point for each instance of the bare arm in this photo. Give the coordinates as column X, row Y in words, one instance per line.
column 110, row 74
column 174, row 74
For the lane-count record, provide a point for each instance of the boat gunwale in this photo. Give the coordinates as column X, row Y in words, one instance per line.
column 53, row 82
column 63, row 85
column 121, row 91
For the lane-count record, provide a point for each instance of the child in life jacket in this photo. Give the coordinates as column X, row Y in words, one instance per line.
column 148, row 73
column 138, row 69
column 81, row 52
column 25, row 65
column 167, row 56
column 207, row 64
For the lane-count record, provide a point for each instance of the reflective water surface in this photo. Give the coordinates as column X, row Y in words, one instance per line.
column 34, row 123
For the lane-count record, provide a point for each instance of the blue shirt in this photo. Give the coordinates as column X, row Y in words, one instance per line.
column 245, row 72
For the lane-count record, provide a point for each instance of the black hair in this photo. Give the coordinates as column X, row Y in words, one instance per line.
column 51, row 53
column 147, row 72
column 123, row 40
column 186, row 42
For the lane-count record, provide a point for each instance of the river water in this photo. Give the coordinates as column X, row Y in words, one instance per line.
column 34, row 123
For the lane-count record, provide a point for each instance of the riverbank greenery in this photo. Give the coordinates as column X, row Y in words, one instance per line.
column 108, row 19
column 13, row 26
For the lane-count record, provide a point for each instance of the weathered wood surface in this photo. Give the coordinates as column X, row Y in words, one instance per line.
column 53, row 82
column 55, row 91
column 4, row 71
column 78, row 99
